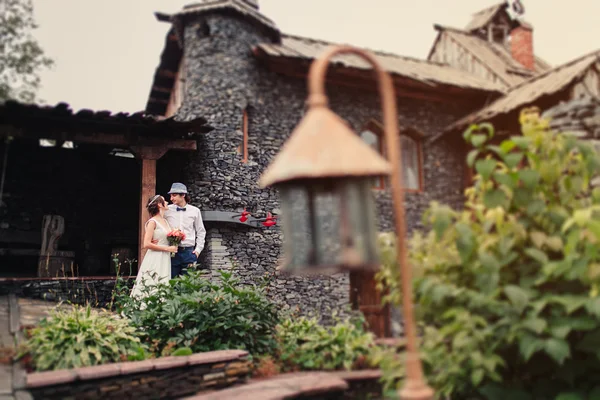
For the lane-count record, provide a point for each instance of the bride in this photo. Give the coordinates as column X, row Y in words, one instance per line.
column 156, row 267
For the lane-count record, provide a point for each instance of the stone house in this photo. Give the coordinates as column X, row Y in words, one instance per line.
column 226, row 61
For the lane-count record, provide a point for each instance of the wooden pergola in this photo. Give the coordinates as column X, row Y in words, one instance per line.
column 147, row 137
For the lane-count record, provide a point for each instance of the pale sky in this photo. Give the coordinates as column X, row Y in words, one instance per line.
column 106, row 51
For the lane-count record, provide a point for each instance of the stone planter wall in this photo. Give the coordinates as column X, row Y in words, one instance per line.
column 161, row 378
column 93, row 290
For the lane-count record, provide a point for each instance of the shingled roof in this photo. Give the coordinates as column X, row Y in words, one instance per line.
column 528, row 92
column 483, row 17
column 245, row 8
column 39, row 120
column 431, row 73
column 494, row 55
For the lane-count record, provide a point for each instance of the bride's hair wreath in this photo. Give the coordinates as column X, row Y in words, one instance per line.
column 153, row 204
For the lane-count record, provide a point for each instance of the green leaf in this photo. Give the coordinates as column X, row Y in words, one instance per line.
column 529, row 177
column 441, row 221
column 537, row 255
column 477, row 376
column 529, row 345
column 558, row 349
column 485, row 167
column 522, row 142
column 471, row 157
column 488, row 261
column 594, row 227
column 477, row 140
column 183, row 351
column 593, row 306
column 507, row 145
column 536, row 325
column 495, row 198
column 509, row 179
column 554, row 243
column 570, row 302
column 513, row 159
column 538, row 238
column 536, row 207
column 517, row 296
column 465, row 242
column 561, row 331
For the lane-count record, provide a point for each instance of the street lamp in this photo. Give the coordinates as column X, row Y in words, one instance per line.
column 324, row 157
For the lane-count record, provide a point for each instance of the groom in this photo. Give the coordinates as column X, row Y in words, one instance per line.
column 187, row 218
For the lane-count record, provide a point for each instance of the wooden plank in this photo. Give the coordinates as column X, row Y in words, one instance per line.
column 147, row 190
column 113, row 140
column 161, row 89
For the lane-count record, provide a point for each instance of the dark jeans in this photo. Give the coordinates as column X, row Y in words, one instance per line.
column 182, row 260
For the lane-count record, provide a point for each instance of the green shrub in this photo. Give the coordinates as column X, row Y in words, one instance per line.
column 306, row 345
column 190, row 311
column 81, row 337
column 509, row 287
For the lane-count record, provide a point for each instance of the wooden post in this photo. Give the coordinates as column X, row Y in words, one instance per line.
column 148, row 155
column 147, row 190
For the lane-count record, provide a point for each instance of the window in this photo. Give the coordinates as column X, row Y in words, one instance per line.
column 410, row 140
column 411, row 164
column 243, row 147
column 372, row 135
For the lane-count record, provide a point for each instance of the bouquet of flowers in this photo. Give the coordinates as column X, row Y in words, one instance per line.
column 175, row 237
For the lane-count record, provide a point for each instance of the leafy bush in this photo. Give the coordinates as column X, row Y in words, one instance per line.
column 81, row 337
column 509, row 287
column 306, row 345
column 190, row 311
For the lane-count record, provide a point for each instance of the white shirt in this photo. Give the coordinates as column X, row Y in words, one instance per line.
column 190, row 222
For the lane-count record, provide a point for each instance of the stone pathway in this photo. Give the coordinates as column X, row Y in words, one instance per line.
column 16, row 313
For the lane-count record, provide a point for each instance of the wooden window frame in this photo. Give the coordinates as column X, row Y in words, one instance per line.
column 377, row 128
column 418, row 138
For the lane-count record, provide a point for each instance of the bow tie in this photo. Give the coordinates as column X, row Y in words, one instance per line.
column 180, row 208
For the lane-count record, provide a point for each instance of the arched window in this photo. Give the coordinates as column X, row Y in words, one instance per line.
column 411, row 160
column 372, row 134
column 412, row 157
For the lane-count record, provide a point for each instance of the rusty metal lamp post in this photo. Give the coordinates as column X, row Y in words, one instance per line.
column 323, row 155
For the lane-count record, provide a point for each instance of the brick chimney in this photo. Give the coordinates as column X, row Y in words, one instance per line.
column 521, row 45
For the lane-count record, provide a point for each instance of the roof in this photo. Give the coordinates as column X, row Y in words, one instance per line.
column 245, row 8
column 548, row 83
column 40, row 120
column 579, row 117
column 428, row 72
column 164, row 76
column 494, row 56
column 483, row 17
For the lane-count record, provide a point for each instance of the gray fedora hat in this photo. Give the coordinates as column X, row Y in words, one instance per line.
column 178, row 188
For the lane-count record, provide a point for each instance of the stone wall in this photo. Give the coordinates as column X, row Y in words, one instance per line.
column 95, row 291
column 161, row 378
column 222, row 79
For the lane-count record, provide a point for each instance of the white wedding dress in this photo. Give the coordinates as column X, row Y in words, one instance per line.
column 156, row 267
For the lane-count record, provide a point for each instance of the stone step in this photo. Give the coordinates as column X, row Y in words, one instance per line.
column 281, row 387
